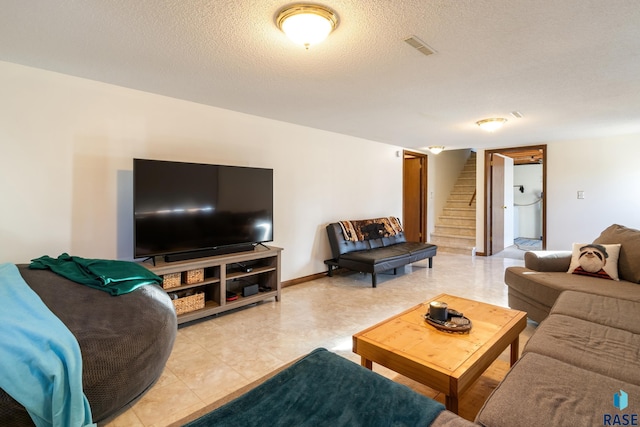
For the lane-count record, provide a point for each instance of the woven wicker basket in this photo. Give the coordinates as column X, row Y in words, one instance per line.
column 190, row 303
column 171, row 280
column 194, row 276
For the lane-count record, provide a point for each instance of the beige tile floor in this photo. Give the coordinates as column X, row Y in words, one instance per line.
column 213, row 357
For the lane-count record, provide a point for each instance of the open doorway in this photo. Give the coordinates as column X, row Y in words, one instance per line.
column 515, row 198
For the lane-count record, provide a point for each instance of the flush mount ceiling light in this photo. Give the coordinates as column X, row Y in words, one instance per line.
column 307, row 24
column 491, row 125
column 436, row 149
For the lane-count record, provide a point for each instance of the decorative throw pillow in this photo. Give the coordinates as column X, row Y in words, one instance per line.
column 595, row 260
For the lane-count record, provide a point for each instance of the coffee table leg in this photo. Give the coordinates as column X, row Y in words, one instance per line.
column 515, row 350
column 366, row 363
column 451, row 403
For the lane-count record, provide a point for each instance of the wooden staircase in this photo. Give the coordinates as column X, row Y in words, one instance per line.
column 455, row 229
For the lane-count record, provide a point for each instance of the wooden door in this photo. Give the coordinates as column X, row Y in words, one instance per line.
column 414, row 197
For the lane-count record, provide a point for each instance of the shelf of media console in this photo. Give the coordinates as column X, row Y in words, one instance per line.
column 211, row 307
column 185, row 286
column 255, row 271
column 216, row 280
column 225, row 269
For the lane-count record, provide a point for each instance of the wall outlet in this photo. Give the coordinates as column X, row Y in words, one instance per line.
column 580, row 194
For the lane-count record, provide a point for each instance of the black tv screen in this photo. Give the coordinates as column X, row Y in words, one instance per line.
column 192, row 208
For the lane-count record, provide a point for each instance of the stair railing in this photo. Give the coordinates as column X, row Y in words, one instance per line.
column 472, row 197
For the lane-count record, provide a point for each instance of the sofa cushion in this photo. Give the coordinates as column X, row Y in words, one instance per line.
column 545, row 287
column 417, row 248
column 449, row 419
column 629, row 238
column 608, row 351
column 540, row 390
column 375, row 256
column 547, row 260
column 594, row 260
column 607, row 311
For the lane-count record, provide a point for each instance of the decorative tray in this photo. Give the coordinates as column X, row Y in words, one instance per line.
column 454, row 323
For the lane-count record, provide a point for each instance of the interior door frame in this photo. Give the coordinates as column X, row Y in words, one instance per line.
column 424, row 160
column 488, row 231
column 498, row 194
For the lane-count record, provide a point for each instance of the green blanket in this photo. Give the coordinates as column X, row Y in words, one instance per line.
column 115, row 277
column 324, row 389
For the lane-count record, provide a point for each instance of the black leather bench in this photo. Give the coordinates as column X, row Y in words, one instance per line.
column 375, row 255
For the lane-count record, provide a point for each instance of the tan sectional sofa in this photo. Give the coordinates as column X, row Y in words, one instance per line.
column 535, row 287
column 582, row 354
column 586, row 348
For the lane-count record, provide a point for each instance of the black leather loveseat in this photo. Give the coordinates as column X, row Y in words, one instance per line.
column 374, row 251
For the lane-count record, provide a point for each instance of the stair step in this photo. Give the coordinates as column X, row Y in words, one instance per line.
column 460, row 196
column 456, row 214
column 449, row 219
column 465, row 187
column 456, row 230
column 455, row 250
column 459, row 204
column 461, row 210
column 452, row 240
column 468, row 221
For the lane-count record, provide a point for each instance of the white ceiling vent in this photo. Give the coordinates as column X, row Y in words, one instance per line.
column 419, row 45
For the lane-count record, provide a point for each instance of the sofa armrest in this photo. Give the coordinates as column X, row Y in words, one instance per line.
column 547, row 260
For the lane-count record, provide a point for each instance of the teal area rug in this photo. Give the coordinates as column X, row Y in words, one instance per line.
column 324, row 389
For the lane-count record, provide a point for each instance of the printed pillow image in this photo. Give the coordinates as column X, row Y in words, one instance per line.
column 595, row 260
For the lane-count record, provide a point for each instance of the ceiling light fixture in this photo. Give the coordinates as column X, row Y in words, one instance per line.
column 307, row 24
column 436, row 149
column 491, row 125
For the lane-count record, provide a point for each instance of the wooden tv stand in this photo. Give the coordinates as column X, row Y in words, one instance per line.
column 222, row 274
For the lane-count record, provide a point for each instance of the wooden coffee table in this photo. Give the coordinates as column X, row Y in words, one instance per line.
column 447, row 362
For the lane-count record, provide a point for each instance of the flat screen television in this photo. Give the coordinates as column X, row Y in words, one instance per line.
column 190, row 210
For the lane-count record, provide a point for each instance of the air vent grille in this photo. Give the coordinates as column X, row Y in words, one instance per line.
column 419, row 45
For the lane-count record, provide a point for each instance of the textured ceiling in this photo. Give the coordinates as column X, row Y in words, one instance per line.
column 571, row 67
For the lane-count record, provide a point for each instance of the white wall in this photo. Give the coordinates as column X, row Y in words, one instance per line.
column 67, row 146
column 606, row 169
